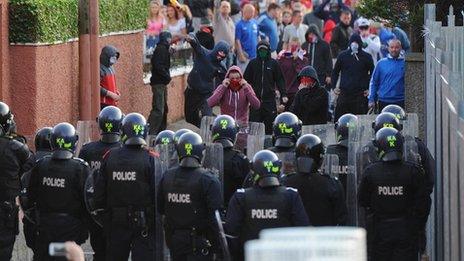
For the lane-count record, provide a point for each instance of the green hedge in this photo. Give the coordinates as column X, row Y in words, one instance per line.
column 46, row 21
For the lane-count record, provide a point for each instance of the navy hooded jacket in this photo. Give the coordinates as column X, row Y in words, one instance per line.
column 355, row 70
column 206, row 66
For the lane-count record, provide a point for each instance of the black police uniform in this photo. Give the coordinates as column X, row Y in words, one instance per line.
column 92, row 153
column 394, row 193
column 188, row 198
column 236, row 169
column 56, row 188
column 13, row 156
column 322, row 196
column 254, row 209
column 126, row 189
column 29, row 228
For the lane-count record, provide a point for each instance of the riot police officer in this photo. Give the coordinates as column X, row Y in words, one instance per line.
column 267, row 205
column 126, row 190
column 13, row 156
column 322, row 195
column 109, row 123
column 236, row 165
column 56, row 190
column 164, row 138
column 43, row 148
column 342, row 129
column 188, row 196
column 286, row 130
column 393, row 191
column 427, row 163
column 179, row 133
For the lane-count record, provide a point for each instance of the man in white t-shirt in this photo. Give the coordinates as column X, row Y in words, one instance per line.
column 295, row 29
column 371, row 42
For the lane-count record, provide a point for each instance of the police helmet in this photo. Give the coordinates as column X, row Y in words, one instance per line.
column 396, row 110
column 267, row 166
column 190, row 149
column 164, row 138
column 42, row 139
column 389, row 143
column 109, row 120
column 386, row 119
column 286, row 129
column 309, row 146
column 134, row 129
column 64, row 137
column 6, row 118
column 224, row 130
column 342, row 127
column 179, row 133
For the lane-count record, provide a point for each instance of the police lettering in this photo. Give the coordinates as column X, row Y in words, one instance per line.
column 340, row 169
column 179, row 198
column 53, row 182
column 95, row 165
column 264, row 213
column 124, row 176
column 391, row 191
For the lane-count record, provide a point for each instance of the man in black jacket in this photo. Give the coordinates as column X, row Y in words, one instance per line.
column 354, row 66
column 160, row 78
column 263, row 74
column 341, row 33
column 319, row 54
column 311, row 103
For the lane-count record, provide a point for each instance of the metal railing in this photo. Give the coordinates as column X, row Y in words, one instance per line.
column 444, row 102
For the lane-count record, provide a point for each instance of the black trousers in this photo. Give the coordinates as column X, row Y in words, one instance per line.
column 159, row 109
column 122, row 240
column 393, row 240
column 97, row 241
column 351, row 103
column 196, row 106
column 265, row 114
column 8, row 232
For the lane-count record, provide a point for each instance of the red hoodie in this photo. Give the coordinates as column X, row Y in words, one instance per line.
column 235, row 103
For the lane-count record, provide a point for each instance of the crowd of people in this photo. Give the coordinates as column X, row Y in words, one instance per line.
column 285, row 64
column 358, row 62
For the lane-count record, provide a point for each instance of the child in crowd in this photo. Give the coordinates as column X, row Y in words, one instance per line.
column 155, row 24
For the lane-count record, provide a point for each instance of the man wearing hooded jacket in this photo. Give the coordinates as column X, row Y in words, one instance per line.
column 207, row 69
column 160, row 78
column 264, row 74
column 311, row 103
column 318, row 54
column 354, row 67
column 109, row 93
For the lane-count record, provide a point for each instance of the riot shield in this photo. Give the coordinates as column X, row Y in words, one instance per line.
column 214, row 160
column 288, row 162
column 410, row 150
column 326, row 132
column 88, row 131
column 162, row 164
column 253, row 135
column 24, row 204
column 267, row 142
column 360, row 153
column 330, row 165
column 89, row 198
column 222, row 237
column 205, row 128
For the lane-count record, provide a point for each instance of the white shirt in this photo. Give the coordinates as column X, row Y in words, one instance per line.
column 373, row 46
column 291, row 31
column 176, row 29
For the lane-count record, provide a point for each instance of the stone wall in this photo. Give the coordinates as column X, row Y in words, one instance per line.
column 415, row 88
column 44, row 81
